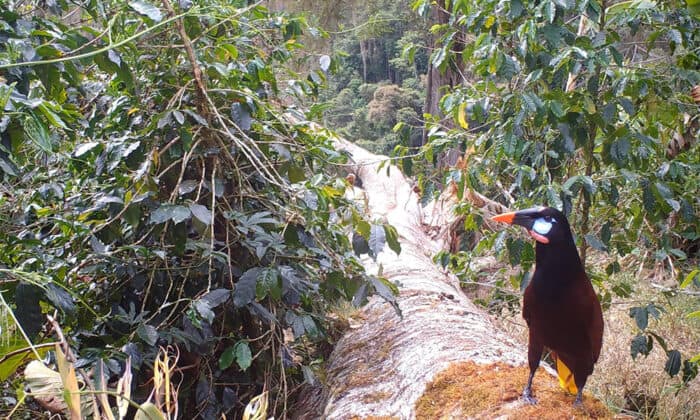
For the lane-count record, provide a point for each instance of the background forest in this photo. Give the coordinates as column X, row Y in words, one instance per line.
column 169, row 202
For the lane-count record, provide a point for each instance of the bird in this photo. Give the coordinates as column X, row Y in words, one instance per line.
column 560, row 307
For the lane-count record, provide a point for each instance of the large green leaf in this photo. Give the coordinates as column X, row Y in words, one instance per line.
column 28, row 310
column 146, row 9
column 38, row 133
column 168, row 212
column 244, row 292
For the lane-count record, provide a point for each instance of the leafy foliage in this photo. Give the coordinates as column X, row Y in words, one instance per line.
column 160, row 175
column 582, row 105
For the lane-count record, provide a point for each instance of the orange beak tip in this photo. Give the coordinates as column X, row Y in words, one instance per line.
column 505, row 217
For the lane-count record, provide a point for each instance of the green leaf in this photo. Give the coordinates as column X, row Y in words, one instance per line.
column 516, row 8
column 148, row 334
column 244, row 293
column 640, row 316
column 606, row 233
column 557, row 109
column 694, row 314
column 578, row 181
column 60, row 298
column 627, row 105
column 202, row 213
column 640, row 344
column 392, row 238
column 179, row 117
column 377, row 239
column 550, row 11
column 609, row 113
column 216, row 297
column 226, row 358
column 149, row 411
column 147, row 10
column 363, row 228
column 170, row 212
column 690, row 277
column 515, row 247
column 673, row 363
column 359, row 244
column 654, row 310
column 51, row 116
column 28, row 310
column 198, row 118
column 37, row 132
column 268, row 283
column 664, row 190
column 244, row 357
column 5, row 93
column 85, row 148
column 532, row 101
column 648, row 198
column 690, row 370
column 387, row 291
column 616, row 56
column 296, row 174
column 659, row 340
column 204, row 310
column 596, row 243
column 8, row 167
column 619, row 150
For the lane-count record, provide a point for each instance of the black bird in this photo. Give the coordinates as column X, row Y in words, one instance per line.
column 560, row 306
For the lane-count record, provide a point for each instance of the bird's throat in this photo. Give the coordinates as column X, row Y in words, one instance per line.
column 539, row 238
column 556, row 266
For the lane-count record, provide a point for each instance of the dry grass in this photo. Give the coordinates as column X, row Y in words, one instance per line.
column 640, row 387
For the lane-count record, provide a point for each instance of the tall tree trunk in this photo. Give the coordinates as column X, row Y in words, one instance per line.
column 440, row 80
column 363, row 55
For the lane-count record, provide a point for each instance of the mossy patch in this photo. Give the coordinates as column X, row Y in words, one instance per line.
column 469, row 390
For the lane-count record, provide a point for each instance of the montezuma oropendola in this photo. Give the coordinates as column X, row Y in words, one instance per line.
column 560, row 307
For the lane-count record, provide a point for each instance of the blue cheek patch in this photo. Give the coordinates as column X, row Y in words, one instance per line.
column 541, row 226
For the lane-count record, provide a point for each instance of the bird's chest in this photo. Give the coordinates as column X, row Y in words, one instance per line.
column 556, row 319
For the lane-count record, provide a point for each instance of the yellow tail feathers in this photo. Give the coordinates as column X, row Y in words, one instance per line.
column 566, row 378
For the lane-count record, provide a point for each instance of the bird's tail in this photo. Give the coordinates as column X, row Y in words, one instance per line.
column 566, row 377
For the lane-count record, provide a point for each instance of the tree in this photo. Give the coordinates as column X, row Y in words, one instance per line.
column 446, row 66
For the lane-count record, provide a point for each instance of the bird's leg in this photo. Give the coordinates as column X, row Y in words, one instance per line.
column 580, row 379
column 534, row 354
column 527, row 392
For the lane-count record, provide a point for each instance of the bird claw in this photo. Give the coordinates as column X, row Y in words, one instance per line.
column 578, row 402
column 529, row 399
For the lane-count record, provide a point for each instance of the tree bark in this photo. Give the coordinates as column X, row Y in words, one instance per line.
column 439, row 79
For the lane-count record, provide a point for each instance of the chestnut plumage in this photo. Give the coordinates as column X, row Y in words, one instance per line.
column 560, row 306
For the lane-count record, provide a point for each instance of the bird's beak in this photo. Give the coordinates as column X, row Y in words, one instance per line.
column 505, row 217
column 525, row 218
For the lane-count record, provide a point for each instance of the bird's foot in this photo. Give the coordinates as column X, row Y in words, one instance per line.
column 578, row 402
column 528, row 398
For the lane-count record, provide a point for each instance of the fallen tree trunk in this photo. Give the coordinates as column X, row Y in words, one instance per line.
column 382, row 367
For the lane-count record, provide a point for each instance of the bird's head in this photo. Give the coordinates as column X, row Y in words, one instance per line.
column 545, row 224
